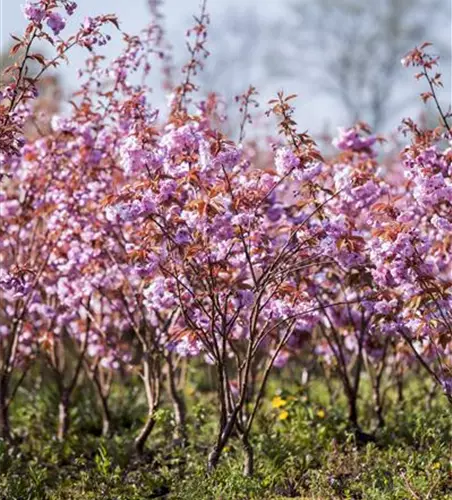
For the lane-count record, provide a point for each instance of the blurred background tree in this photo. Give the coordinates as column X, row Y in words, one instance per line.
column 351, row 50
column 237, row 46
column 344, row 54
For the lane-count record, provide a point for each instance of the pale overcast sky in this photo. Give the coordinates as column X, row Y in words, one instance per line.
column 314, row 111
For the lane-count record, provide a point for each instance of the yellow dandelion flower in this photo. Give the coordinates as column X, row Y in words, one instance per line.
column 321, row 413
column 278, row 402
column 283, row 415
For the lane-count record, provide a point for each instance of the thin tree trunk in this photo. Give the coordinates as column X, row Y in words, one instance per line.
column 213, row 458
column 248, row 462
column 431, row 395
column 152, row 389
column 140, row 441
column 223, row 437
column 106, row 418
column 63, row 417
column 400, row 390
column 378, row 405
column 178, row 404
column 5, row 430
column 353, row 411
column 102, row 392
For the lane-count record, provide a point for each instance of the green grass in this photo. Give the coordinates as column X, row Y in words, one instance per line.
column 309, row 454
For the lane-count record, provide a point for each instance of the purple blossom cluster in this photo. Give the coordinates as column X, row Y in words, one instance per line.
column 39, row 11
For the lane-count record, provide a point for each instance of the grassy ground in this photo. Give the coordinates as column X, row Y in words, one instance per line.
column 303, row 450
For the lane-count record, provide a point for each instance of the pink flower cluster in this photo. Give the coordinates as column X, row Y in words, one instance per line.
column 37, row 12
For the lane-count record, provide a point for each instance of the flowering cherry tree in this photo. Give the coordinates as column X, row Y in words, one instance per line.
column 410, row 247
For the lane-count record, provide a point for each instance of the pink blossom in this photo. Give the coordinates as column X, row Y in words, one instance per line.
column 34, row 12
column 56, row 22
